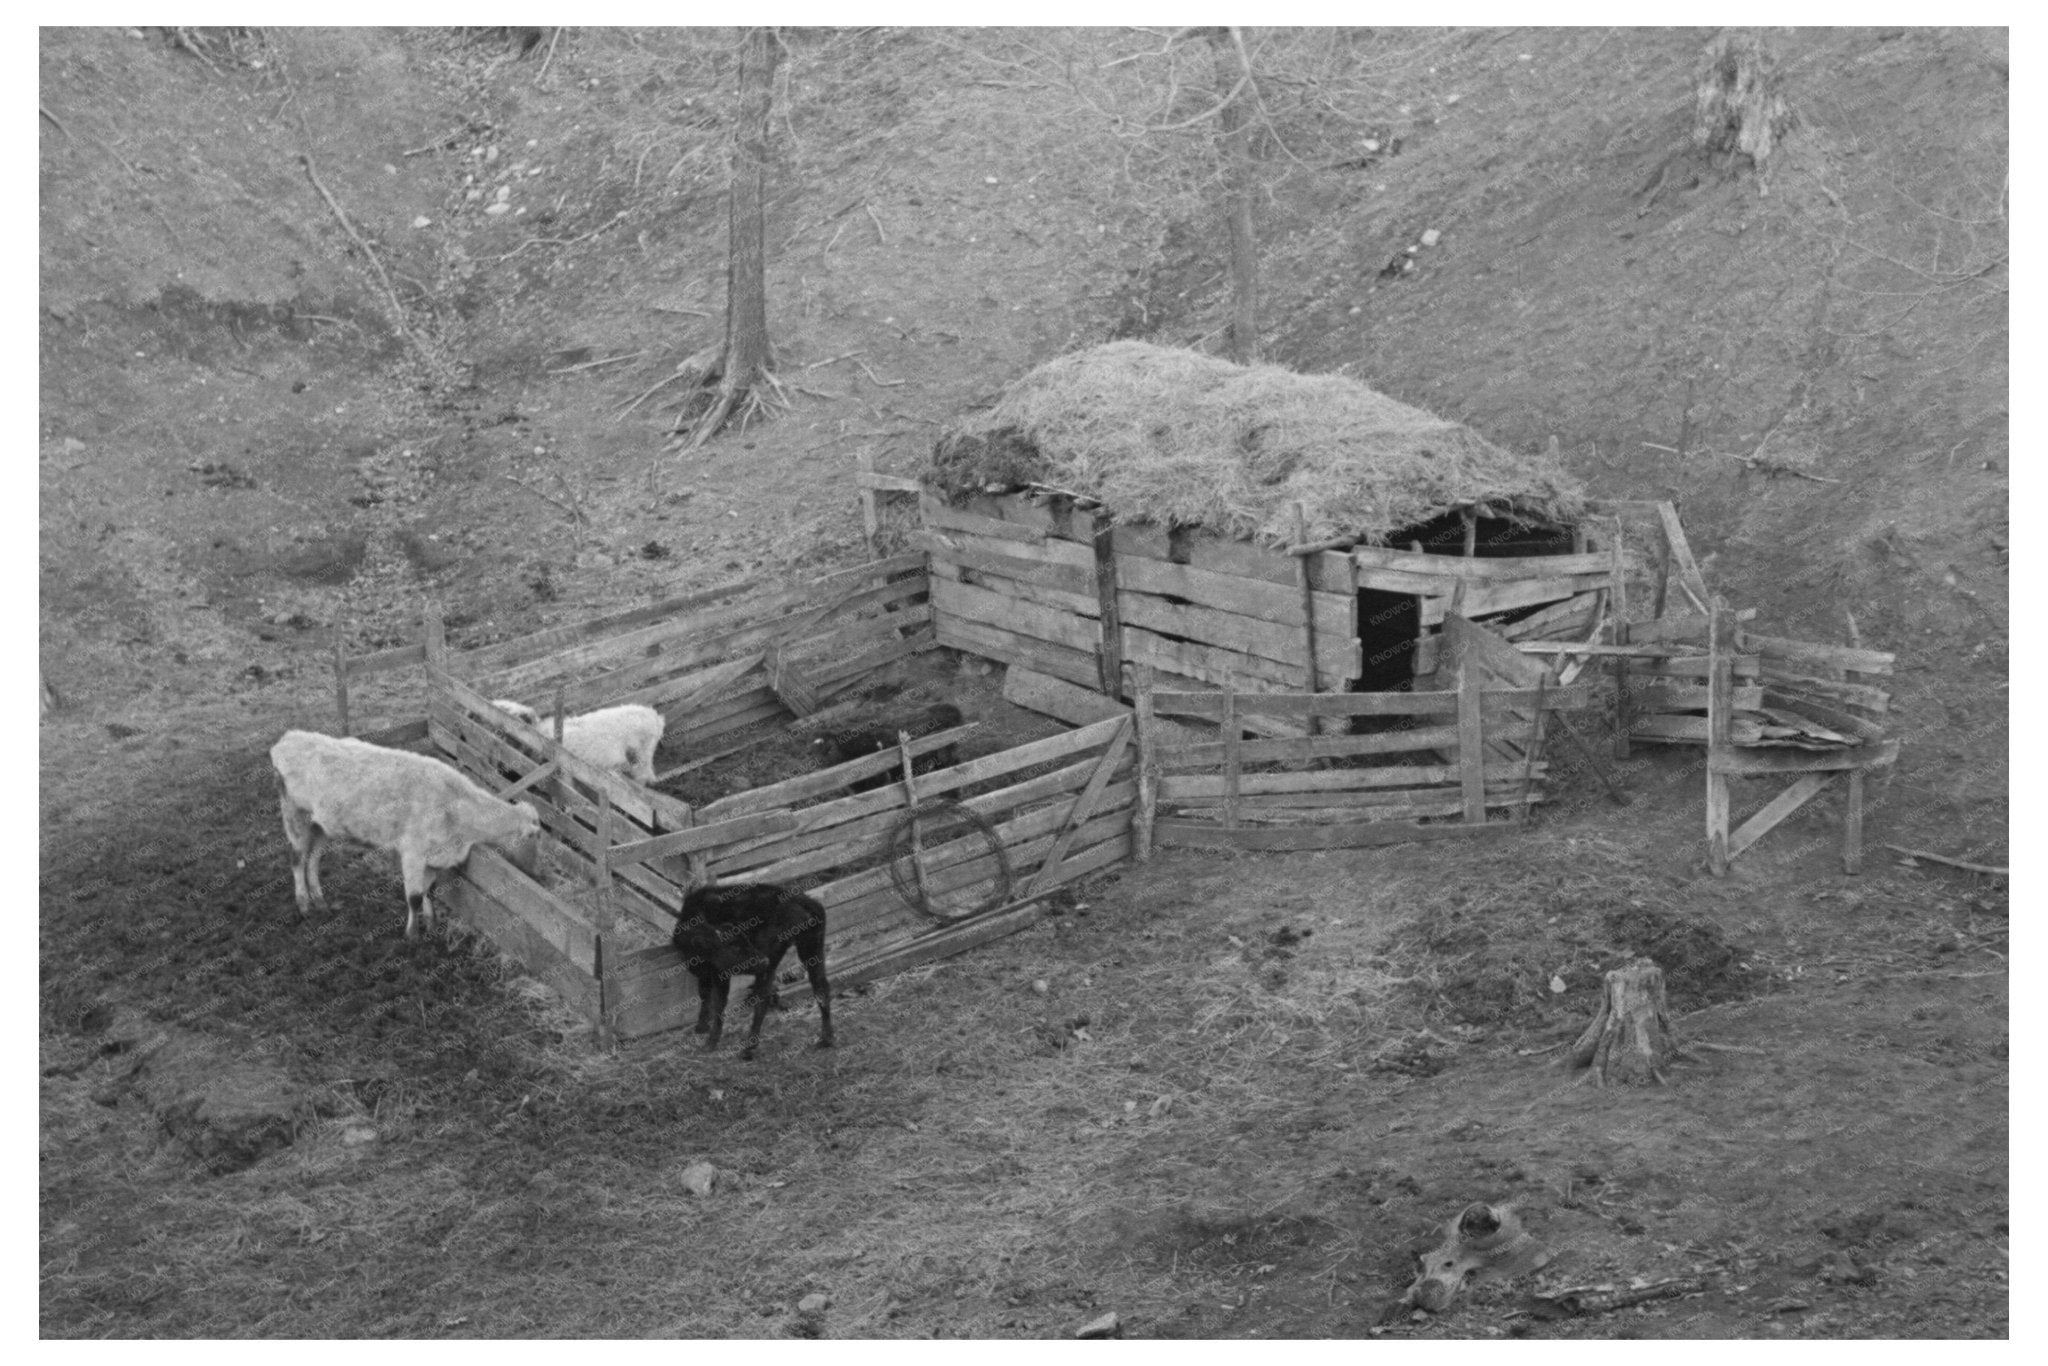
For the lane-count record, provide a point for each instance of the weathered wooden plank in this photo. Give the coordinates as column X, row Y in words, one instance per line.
column 1485, row 598
column 1057, row 698
column 1053, row 552
column 1776, row 810
column 1479, row 569
column 1065, row 578
column 701, row 837
column 1802, row 651
column 1210, row 663
column 1363, row 834
column 937, row 514
column 1759, row 761
column 1007, row 647
column 397, row 657
column 1058, row 599
column 1276, row 640
column 886, row 483
column 1426, row 738
column 1335, row 612
column 1370, row 805
column 1330, row 571
column 1689, row 577
column 1690, row 629
column 1186, row 787
column 1571, row 613
column 517, row 937
column 1860, row 695
column 1012, row 614
column 1834, row 718
column 1497, row 701
column 564, row 926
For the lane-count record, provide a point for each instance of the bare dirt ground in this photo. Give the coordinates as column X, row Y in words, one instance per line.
column 1217, row 1095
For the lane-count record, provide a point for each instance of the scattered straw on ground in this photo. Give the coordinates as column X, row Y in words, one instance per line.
column 1160, row 434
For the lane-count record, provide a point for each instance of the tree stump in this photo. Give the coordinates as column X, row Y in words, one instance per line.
column 1630, row 1040
column 1737, row 109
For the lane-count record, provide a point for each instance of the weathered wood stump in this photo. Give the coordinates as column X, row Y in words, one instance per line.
column 1738, row 112
column 1630, row 1040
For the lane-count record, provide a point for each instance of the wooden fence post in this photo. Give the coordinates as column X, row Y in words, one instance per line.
column 435, row 638
column 607, row 913
column 924, row 895
column 1308, row 609
column 340, row 681
column 1148, row 765
column 1233, row 750
column 1109, row 660
column 1720, row 715
column 1471, row 744
column 870, row 513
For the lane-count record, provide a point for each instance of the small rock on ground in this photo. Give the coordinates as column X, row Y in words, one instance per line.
column 1108, row 1326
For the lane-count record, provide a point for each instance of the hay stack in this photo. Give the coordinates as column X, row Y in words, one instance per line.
column 1159, row 434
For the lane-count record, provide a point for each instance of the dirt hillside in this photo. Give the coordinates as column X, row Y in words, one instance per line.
column 334, row 323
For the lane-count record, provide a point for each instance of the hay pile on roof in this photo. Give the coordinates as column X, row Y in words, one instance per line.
column 1160, row 434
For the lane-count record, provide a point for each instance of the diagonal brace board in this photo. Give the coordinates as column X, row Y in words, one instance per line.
column 1084, row 807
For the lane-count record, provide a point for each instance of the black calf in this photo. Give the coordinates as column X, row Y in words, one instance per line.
column 724, row 931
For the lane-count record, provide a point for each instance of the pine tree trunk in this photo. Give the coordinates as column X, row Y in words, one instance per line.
column 1630, row 1039
column 1234, row 138
column 747, row 365
column 746, row 307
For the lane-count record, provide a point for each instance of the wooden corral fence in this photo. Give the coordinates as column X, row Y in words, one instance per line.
column 1468, row 751
column 997, row 833
column 1759, row 704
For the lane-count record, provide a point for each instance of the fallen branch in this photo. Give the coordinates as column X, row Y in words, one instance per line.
column 1951, row 862
column 834, row 361
column 595, row 364
column 547, row 61
column 391, row 294
column 876, row 218
column 878, row 381
column 44, row 110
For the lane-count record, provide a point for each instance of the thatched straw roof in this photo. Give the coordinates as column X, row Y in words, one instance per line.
column 1159, row 434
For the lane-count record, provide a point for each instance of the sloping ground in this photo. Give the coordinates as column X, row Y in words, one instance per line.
column 237, row 453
